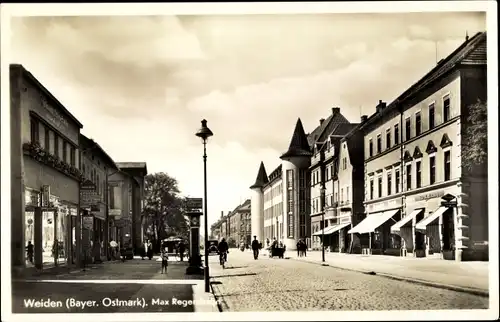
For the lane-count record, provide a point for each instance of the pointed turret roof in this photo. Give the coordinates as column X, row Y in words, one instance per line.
column 261, row 179
column 299, row 145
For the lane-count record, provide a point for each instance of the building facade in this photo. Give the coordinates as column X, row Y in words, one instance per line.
column 96, row 166
column 45, row 174
column 412, row 152
column 137, row 171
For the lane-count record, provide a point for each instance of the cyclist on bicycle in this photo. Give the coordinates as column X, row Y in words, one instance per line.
column 223, row 248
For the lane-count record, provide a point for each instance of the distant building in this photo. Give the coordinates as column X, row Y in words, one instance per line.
column 133, row 221
column 240, row 223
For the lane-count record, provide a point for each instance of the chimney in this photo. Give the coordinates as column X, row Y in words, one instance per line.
column 364, row 118
column 222, row 213
column 321, row 121
column 381, row 105
column 335, row 110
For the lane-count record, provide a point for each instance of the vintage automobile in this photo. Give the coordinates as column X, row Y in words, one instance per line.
column 212, row 247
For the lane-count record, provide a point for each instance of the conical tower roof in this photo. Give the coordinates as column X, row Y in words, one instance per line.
column 299, row 145
column 261, row 179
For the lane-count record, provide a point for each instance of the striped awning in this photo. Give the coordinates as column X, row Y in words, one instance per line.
column 406, row 220
column 373, row 221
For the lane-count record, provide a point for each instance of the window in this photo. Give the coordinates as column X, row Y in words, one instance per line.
column 408, row 129
column 326, row 174
column 72, row 155
column 290, row 208
column 408, row 177
column 98, row 184
column 419, row 174
column 65, row 151
column 389, row 183
column 388, row 139
column 447, row 166
column 418, row 124
column 379, row 186
column 347, row 194
column 35, row 134
column 446, row 109
column 370, row 145
column 56, row 145
column 47, row 139
column 336, row 196
column 396, row 134
column 342, row 195
column 371, row 188
column 397, row 181
column 432, row 170
column 379, row 143
column 111, row 197
column 431, row 116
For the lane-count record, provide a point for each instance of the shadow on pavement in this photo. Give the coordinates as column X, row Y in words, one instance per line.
column 235, row 275
column 235, row 267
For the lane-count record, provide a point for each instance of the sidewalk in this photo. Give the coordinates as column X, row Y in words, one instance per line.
column 471, row 277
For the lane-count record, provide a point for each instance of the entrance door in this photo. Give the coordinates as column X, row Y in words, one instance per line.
column 448, row 230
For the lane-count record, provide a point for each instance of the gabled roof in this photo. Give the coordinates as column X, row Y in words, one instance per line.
column 261, row 179
column 299, row 146
column 93, row 145
column 471, row 52
column 29, row 76
column 132, row 165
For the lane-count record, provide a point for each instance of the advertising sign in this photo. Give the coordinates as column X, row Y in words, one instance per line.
column 194, row 203
column 88, row 222
column 89, row 199
column 115, row 212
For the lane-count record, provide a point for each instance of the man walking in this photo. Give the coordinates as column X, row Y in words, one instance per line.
column 255, row 247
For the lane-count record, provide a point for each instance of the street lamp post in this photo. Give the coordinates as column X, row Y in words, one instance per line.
column 204, row 133
column 323, row 191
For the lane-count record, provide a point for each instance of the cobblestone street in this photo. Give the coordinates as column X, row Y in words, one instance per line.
column 284, row 285
column 131, row 280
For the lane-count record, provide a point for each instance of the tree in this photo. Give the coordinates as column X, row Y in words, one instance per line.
column 163, row 207
column 475, row 147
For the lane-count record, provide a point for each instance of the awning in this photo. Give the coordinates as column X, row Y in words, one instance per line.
column 372, row 222
column 328, row 230
column 422, row 225
column 403, row 222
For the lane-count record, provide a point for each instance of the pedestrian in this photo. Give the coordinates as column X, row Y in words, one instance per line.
column 267, row 242
column 113, row 246
column 30, row 251
column 304, row 245
column 164, row 259
column 299, row 248
column 255, row 247
column 182, row 249
column 149, row 248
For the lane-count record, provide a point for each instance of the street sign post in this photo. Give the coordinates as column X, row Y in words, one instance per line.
column 194, row 203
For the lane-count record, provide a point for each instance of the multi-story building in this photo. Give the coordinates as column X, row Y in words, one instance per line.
column 45, row 174
column 239, row 224
column 413, row 155
column 96, row 166
column 137, row 171
column 339, row 171
column 325, row 140
column 280, row 203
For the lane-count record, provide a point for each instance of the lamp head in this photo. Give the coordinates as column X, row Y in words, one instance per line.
column 204, row 132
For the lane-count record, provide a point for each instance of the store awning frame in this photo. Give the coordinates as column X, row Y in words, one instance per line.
column 373, row 221
column 403, row 222
column 422, row 225
column 328, row 231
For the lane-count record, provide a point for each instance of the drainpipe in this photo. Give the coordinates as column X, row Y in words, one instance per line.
column 402, row 167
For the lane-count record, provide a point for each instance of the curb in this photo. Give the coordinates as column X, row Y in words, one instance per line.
column 473, row 291
column 204, row 302
column 219, row 305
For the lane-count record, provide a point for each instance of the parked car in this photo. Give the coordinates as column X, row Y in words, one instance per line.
column 127, row 252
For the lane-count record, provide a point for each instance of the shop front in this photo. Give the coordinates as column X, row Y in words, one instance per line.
column 377, row 227
column 344, row 225
column 98, row 238
column 49, row 230
column 434, row 229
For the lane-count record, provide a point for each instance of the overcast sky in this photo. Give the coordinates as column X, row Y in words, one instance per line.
column 141, row 85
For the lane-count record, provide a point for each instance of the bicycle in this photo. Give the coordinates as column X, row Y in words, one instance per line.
column 223, row 259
